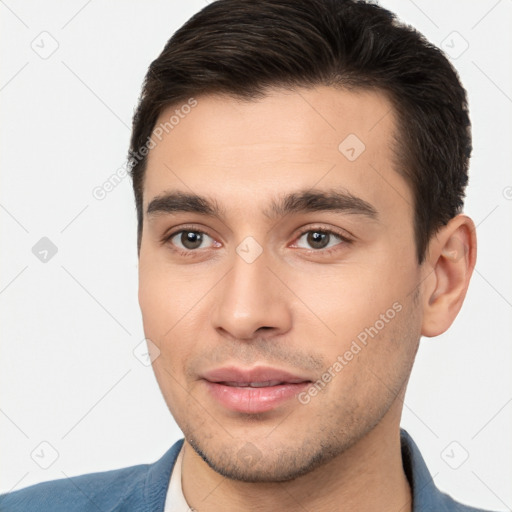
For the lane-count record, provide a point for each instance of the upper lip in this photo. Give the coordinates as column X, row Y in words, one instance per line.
column 258, row 374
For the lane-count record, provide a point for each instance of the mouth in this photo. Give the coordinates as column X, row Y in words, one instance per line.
column 253, row 390
column 266, row 384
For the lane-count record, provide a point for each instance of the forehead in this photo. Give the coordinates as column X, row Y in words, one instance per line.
column 287, row 140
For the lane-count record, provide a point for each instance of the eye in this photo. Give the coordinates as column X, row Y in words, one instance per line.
column 319, row 239
column 189, row 240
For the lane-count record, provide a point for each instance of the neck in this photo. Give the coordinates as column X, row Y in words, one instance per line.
column 368, row 476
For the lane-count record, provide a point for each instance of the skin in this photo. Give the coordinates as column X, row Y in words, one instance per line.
column 296, row 307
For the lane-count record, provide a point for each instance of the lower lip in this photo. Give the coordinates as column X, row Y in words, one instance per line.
column 254, row 400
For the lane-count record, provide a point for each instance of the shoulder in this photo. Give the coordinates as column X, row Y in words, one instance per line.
column 101, row 491
column 426, row 496
column 451, row 505
column 140, row 487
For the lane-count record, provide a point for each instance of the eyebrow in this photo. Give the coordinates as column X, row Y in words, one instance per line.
column 302, row 201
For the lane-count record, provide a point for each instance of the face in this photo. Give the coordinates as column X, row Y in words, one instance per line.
column 277, row 276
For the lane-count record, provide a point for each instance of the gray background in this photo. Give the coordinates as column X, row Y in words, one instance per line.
column 75, row 396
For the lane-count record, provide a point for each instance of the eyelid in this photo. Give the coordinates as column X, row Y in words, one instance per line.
column 341, row 234
column 345, row 235
column 186, row 227
column 191, row 228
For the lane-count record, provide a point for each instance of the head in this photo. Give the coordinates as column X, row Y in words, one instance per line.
column 299, row 171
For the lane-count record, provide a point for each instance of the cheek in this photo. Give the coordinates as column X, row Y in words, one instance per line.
column 166, row 295
column 153, row 300
column 165, row 321
column 344, row 301
column 368, row 324
column 369, row 365
column 173, row 314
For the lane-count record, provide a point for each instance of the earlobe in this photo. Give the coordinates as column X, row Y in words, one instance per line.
column 450, row 263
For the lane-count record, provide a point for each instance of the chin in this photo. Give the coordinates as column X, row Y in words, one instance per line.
column 249, row 464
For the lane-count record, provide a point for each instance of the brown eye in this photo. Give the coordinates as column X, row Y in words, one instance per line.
column 189, row 240
column 317, row 239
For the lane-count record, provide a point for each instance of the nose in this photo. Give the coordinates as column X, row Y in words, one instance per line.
column 252, row 301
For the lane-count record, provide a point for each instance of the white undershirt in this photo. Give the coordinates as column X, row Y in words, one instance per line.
column 174, row 500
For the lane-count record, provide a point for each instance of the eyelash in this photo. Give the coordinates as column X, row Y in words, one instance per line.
column 344, row 240
column 193, row 252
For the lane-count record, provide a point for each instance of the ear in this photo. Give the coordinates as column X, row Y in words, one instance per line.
column 447, row 269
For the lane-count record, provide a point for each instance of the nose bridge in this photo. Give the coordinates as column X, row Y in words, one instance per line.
column 250, row 296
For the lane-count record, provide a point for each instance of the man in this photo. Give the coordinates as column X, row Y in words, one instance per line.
column 299, row 170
